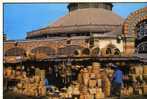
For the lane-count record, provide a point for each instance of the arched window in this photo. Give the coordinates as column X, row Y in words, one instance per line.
column 116, row 51
column 43, row 49
column 112, row 50
column 142, row 48
column 86, row 51
column 141, row 29
column 68, row 50
column 108, row 51
column 95, row 51
column 15, row 52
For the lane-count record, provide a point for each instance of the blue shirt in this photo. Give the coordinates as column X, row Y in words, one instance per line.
column 118, row 76
column 46, row 82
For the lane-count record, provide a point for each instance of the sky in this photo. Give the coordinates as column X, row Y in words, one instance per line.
column 18, row 19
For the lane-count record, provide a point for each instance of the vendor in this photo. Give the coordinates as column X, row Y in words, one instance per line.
column 117, row 81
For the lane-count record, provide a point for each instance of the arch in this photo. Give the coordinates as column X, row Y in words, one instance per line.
column 110, row 49
column 110, row 45
column 15, row 52
column 116, row 51
column 69, row 50
column 95, row 51
column 43, row 49
column 141, row 29
column 133, row 19
column 77, row 52
column 142, row 47
column 85, row 51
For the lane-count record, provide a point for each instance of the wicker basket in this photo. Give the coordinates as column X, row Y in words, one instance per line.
column 107, row 87
column 145, row 69
column 89, row 68
column 8, row 72
column 145, row 89
column 92, row 83
column 145, row 77
column 95, row 67
column 99, row 94
column 85, row 77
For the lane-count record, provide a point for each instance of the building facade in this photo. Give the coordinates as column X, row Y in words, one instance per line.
column 88, row 30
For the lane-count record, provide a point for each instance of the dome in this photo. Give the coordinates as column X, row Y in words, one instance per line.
column 89, row 16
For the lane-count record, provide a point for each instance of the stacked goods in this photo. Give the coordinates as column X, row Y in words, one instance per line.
column 76, row 88
column 92, row 82
column 88, row 85
column 13, row 73
column 18, row 73
column 40, row 73
column 31, row 87
column 69, row 92
column 138, row 71
column 145, row 72
column 99, row 94
column 80, row 79
column 85, row 76
column 145, row 89
column 145, row 79
column 107, row 85
column 37, row 71
column 42, row 88
column 136, row 75
column 8, row 72
column 84, row 93
column 127, row 91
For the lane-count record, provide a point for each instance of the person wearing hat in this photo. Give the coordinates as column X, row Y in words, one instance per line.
column 117, row 81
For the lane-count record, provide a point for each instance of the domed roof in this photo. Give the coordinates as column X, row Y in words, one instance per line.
column 99, row 19
column 89, row 16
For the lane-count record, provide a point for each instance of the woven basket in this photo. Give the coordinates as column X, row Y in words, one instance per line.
column 92, row 83
column 99, row 94
column 85, row 77
column 145, row 77
column 145, row 69
column 145, row 89
column 8, row 71
column 95, row 67
column 89, row 68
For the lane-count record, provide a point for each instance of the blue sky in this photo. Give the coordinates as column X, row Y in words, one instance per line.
column 22, row 18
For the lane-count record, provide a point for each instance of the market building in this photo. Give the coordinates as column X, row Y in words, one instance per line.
column 87, row 29
column 88, row 32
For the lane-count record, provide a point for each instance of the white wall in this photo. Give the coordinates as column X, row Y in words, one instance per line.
column 102, row 43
